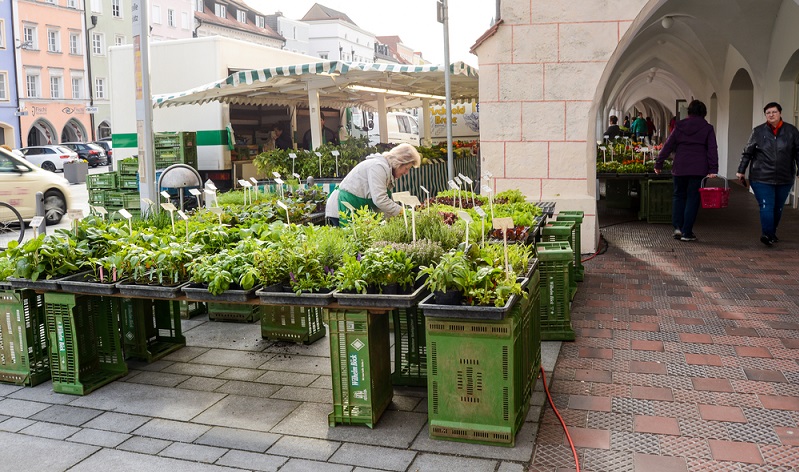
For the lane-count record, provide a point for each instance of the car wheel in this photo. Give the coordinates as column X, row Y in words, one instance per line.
column 55, row 206
column 47, row 165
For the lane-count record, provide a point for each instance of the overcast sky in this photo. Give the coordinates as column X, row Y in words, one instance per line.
column 414, row 21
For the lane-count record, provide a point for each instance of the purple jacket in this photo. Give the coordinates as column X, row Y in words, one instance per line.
column 693, row 142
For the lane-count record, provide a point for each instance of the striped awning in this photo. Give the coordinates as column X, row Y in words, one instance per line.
column 340, row 84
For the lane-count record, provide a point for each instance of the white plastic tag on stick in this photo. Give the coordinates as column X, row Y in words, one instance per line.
column 283, row 206
column 458, row 181
column 186, row 219
column 75, row 214
column 452, row 185
column 210, row 185
column 195, row 192
column 171, row 209
column 218, row 211
column 165, row 194
column 504, row 224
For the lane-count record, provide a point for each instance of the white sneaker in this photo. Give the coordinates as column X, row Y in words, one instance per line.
column 677, row 234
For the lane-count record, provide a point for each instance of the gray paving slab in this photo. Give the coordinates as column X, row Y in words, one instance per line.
column 510, row 467
column 420, row 392
column 97, row 437
column 124, row 461
column 7, row 389
column 239, row 411
column 236, row 387
column 238, row 336
column 549, row 354
column 422, row 407
column 20, row 408
column 65, row 414
column 193, row 323
column 232, row 358
column 287, row 378
column 199, row 370
column 118, row 422
column 322, row 381
column 15, row 424
column 171, row 430
column 144, row 445
column 3, row 418
column 50, row 430
column 155, row 366
column 304, row 448
column 300, row 364
column 303, row 394
column 42, row 393
column 239, row 373
column 437, row 462
column 365, row 469
column 162, row 379
column 304, row 465
column 320, row 348
column 394, row 429
column 185, row 354
column 232, row 438
column 521, row 452
column 193, row 452
column 373, row 456
column 202, row 383
column 403, row 403
column 20, row 452
column 252, row 461
column 149, row 400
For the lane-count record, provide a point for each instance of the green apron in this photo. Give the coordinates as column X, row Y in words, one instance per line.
column 357, row 203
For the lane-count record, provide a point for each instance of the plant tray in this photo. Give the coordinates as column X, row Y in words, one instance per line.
column 269, row 297
column 201, row 293
column 468, row 312
column 378, row 300
column 5, row 285
column 48, row 285
column 130, row 288
column 86, row 283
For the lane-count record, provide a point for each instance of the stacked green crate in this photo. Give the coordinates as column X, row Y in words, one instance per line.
column 410, row 348
column 114, row 191
column 235, row 312
column 150, row 328
column 24, row 356
column 618, row 193
column 554, row 261
column 479, row 377
column 175, row 148
column 658, row 200
column 299, row 324
column 563, row 231
column 189, row 309
column 84, row 342
column 360, row 366
column 98, row 185
column 577, row 217
column 532, row 306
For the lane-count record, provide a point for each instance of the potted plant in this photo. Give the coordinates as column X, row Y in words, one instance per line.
column 444, row 279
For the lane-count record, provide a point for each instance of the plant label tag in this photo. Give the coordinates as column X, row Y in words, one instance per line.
column 292, row 155
column 412, row 201
column 147, row 201
column 335, row 153
column 182, row 215
column 458, row 181
column 98, row 209
column 75, row 214
column 168, row 207
column 254, row 180
column 217, row 210
column 453, row 185
column 165, row 194
column 466, row 179
column 487, row 189
column 480, row 211
column 488, row 174
column 279, row 181
column 318, row 154
column 503, row 223
column 37, row 221
column 211, row 185
column 210, row 192
column 282, row 205
column 125, row 213
column 244, row 183
column 348, row 206
column 195, row 192
column 297, row 176
column 643, row 149
column 400, row 196
column 424, row 190
column 465, row 216
column 602, row 148
column 276, row 174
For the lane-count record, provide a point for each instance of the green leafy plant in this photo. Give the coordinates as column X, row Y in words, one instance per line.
column 448, row 274
column 350, row 276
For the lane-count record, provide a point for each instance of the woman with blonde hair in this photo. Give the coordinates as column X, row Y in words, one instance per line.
column 368, row 183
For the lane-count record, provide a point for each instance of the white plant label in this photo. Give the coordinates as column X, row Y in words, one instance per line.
column 292, row 155
column 279, row 181
column 211, row 186
column 283, row 206
column 195, row 192
column 466, row 179
column 465, row 216
column 182, row 215
column 335, row 153
column 318, row 154
column 125, row 213
column 166, row 195
column 276, row 174
column 348, row 206
column 168, row 207
column 412, row 201
column 425, row 190
column 254, row 180
column 98, row 209
column 75, row 214
column 480, row 212
column 458, row 181
column 37, row 221
column 244, row 183
column 297, row 176
column 453, row 185
column 147, row 201
column 503, row 223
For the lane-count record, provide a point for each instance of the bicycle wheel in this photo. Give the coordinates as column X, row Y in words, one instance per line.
column 12, row 228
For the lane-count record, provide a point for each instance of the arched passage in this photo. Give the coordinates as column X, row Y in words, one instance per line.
column 41, row 132
column 73, row 131
column 740, row 119
column 104, row 130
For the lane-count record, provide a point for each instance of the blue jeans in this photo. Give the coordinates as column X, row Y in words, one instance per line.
column 770, row 198
column 685, row 202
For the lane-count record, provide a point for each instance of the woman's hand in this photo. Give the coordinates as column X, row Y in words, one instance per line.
column 657, row 171
column 712, row 176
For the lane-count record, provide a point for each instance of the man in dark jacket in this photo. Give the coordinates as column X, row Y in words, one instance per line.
column 772, row 155
column 613, row 130
column 696, row 157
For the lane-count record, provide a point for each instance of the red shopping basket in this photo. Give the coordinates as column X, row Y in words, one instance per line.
column 715, row 197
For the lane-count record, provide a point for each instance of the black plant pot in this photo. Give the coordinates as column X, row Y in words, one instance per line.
column 391, row 289
column 450, row 297
column 372, row 289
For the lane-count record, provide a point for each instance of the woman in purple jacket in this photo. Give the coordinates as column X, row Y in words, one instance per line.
column 696, row 156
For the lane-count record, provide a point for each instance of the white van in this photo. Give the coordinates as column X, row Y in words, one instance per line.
column 402, row 127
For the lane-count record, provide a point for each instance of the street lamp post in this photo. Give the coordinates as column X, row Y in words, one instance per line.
column 443, row 18
column 89, row 70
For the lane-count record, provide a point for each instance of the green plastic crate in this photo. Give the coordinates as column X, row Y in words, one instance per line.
column 189, row 309
column 129, row 166
column 564, row 231
column 360, row 365
column 97, row 197
column 235, row 312
column 84, row 343
column 128, row 181
column 182, row 139
column 24, row 358
column 555, row 315
column 532, row 307
column 577, row 217
column 617, row 193
column 150, row 328
column 479, row 375
column 131, row 200
column 658, row 200
column 299, row 324
column 410, row 348
column 107, row 180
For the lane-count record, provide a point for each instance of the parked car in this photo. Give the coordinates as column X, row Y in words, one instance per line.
column 21, row 180
column 49, row 157
column 107, row 147
column 92, row 153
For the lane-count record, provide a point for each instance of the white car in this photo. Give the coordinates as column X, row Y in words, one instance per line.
column 49, row 157
column 20, row 181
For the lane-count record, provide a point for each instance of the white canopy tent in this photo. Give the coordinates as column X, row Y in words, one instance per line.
column 374, row 87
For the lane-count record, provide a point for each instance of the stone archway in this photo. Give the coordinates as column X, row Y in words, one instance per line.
column 73, row 131
column 104, row 130
column 41, row 132
column 740, row 119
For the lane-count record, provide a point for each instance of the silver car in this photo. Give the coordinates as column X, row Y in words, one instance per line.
column 49, row 157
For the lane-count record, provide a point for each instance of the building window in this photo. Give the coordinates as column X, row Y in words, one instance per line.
column 29, row 37
column 2, row 33
column 199, row 6
column 220, row 10
column 56, row 90
column 241, row 15
column 4, row 86
column 184, row 20
column 72, row 4
column 77, row 87
column 98, row 44
column 32, row 85
column 116, row 8
column 53, row 40
column 74, row 43
column 323, row 55
column 260, row 21
column 170, row 17
column 97, row 6
column 50, row 1
column 156, row 10
column 99, row 88
column 119, row 40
